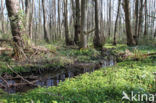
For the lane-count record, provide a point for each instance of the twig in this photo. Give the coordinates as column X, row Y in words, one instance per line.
column 1, row 85
column 22, row 84
column 6, row 49
column 4, row 81
column 20, row 76
column 88, row 32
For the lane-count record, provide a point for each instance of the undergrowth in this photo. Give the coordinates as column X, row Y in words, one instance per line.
column 102, row 86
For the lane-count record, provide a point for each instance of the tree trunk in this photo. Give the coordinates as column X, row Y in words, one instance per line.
column 66, row 22
column 130, row 40
column 16, row 24
column 39, row 14
column 136, row 21
column 116, row 22
column 77, row 23
column 140, row 18
column 45, row 22
column 31, row 19
column 145, row 30
column 97, row 41
column 27, row 13
column 2, row 17
column 110, row 18
column 83, row 37
column 59, row 19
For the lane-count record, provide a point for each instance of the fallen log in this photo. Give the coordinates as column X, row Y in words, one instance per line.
column 23, row 84
column 5, row 49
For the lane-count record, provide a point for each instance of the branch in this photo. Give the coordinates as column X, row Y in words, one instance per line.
column 4, row 81
column 6, row 49
column 88, row 32
column 20, row 76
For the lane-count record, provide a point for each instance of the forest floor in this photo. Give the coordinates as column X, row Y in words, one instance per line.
column 135, row 71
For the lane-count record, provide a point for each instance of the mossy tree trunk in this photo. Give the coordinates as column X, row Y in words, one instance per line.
column 16, row 26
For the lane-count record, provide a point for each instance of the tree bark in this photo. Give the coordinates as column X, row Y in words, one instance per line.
column 16, row 24
column 140, row 18
column 116, row 22
column 77, row 23
column 66, row 22
column 59, row 20
column 31, row 19
column 97, row 39
column 136, row 21
column 145, row 30
column 2, row 16
column 27, row 13
column 110, row 18
column 130, row 40
column 83, row 37
column 45, row 22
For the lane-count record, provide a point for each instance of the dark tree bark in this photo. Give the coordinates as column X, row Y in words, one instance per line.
column 110, row 18
column 16, row 24
column 59, row 20
column 77, row 23
column 66, row 22
column 145, row 30
column 97, row 39
column 130, row 40
column 27, row 12
column 116, row 22
column 45, row 22
column 140, row 18
column 136, row 21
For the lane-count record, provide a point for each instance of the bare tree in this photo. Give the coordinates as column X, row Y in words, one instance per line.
column 66, row 21
column 145, row 29
column 77, row 23
column 83, row 37
column 31, row 19
column 2, row 16
column 136, row 20
column 140, row 18
column 110, row 17
column 116, row 21
column 97, row 41
column 27, row 13
column 45, row 22
column 59, row 19
column 130, row 40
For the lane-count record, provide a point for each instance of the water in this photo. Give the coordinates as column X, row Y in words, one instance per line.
column 48, row 79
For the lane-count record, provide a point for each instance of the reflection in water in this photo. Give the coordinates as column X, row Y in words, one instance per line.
column 53, row 79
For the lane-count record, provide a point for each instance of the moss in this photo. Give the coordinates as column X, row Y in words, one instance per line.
column 141, row 48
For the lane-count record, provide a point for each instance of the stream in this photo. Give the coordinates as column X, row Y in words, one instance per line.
column 53, row 78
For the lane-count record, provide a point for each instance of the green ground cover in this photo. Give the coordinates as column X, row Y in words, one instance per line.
column 102, row 86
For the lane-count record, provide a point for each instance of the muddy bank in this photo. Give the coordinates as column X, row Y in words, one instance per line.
column 49, row 76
